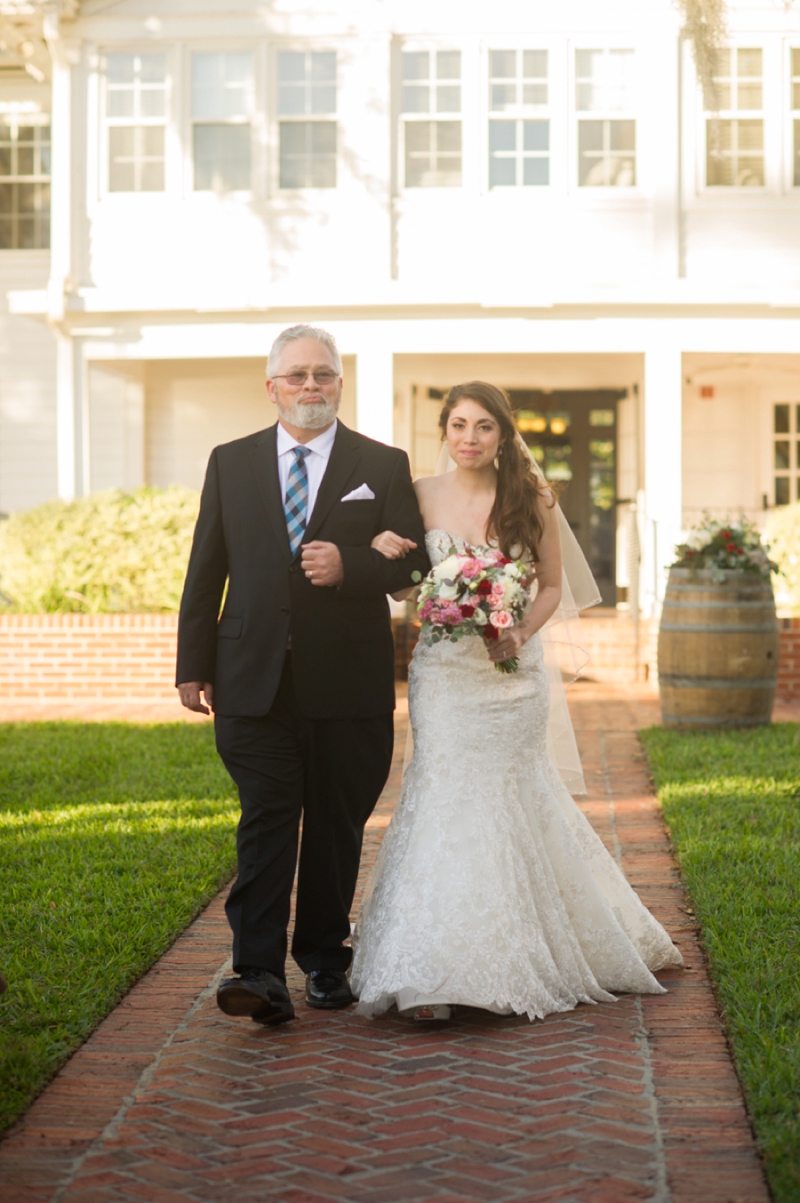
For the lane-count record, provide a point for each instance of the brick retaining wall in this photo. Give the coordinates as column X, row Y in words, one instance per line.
column 52, row 657
column 71, row 656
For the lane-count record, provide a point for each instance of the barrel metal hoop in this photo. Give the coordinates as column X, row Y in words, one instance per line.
column 715, row 682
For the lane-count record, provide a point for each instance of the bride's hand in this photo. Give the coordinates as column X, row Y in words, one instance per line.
column 392, row 546
column 508, row 644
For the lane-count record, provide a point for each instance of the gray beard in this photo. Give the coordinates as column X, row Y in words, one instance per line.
column 313, row 415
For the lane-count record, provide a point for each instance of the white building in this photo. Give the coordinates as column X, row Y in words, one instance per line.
column 528, row 193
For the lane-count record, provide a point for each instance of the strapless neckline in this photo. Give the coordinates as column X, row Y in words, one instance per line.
column 439, row 530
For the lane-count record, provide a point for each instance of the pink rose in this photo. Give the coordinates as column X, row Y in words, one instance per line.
column 501, row 619
column 470, row 569
column 446, row 614
column 497, row 599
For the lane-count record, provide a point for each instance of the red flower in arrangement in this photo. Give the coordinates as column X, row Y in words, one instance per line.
column 731, row 547
column 490, row 632
column 726, row 534
column 484, row 588
column 739, row 551
column 467, row 611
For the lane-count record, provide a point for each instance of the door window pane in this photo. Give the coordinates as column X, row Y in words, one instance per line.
column 781, row 419
column 782, row 490
column 782, row 455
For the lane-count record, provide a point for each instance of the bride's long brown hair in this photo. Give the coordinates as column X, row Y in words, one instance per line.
column 515, row 521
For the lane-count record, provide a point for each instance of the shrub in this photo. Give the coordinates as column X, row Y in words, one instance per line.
column 783, row 533
column 111, row 552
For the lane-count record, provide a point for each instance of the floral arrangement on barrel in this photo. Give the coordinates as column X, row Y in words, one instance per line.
column 724, row 547
column 472, row 594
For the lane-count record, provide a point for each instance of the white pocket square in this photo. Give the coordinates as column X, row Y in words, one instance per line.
column 362, row 493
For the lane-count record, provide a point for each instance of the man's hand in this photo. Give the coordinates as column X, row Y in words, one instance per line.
column 392, row 546
column 190, row 692
column 322, row 563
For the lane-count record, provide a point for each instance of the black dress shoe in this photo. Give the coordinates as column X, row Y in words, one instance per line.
column 328, row 989
column 257, row 993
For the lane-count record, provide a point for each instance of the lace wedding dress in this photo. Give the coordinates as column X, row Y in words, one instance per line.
column 491, row 889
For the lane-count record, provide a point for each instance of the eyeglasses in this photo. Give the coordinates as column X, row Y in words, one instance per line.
column 297, row 379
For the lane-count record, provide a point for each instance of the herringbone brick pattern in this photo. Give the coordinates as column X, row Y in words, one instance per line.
column 170, row 1101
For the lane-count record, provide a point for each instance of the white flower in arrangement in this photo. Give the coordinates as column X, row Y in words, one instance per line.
column 513, row 571
column 449, row 592
column 447, row 569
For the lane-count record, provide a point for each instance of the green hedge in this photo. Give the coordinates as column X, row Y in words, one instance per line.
column 111, row 552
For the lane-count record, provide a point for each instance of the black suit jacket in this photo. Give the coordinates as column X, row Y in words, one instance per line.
column 342, row 650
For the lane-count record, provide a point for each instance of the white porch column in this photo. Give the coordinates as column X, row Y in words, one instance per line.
column 70, row 427
column 375, row 392
column 660, row 521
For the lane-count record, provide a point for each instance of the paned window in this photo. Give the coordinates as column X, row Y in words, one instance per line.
column 796, row 114
column 24, row 185
column 735, row 135
column 136, row 111
column 605, row 87
column 786, row 452
column 431, row 86
column 307, row 88
column 222, row 104
column 519, row 145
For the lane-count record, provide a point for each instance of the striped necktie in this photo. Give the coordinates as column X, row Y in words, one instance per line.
column 295, row 505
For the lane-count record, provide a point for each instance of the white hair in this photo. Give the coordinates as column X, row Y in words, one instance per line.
column 294, row 332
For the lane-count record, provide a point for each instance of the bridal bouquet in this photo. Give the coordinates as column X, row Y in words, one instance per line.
column 472, row 594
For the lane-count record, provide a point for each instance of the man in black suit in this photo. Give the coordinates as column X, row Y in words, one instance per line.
column 299, row 667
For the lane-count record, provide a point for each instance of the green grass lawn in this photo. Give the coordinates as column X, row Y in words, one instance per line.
column 732, row 803
column 112, row 837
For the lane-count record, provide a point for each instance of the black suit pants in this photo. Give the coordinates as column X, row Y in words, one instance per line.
column 330, row 772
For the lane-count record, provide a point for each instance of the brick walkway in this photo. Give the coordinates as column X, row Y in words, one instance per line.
column 170, row 1101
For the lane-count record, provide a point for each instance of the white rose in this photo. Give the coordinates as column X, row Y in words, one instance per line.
column 447, row 568
column 480, row 617
column 448, row 592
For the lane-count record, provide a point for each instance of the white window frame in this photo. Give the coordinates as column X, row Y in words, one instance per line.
column 99, row 161
column 432, row 47
column 634, row 112
column 36, row 119
column 279, row 118
column 518, row 113
column 254, row 118
column 728, row 114
column 792, row 158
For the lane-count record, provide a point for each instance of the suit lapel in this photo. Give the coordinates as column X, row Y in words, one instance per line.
column 264, row 455
column 344, row 459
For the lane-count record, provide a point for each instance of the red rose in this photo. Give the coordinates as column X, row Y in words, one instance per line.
column 726, row 534
column 484, row 588
column 490, row 632
column 467, row 611
column 739, row 551
column 731, row 547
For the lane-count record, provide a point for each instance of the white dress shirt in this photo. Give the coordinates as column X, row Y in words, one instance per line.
column 316, row 462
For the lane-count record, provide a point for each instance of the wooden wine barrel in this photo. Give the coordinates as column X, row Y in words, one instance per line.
column 717, row 650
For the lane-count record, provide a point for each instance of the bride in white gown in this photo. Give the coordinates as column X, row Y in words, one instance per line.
column 491, row 888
